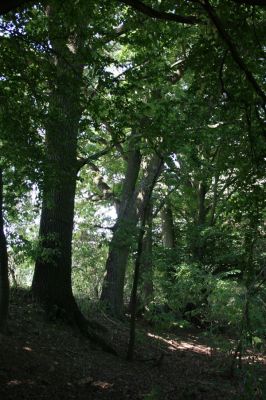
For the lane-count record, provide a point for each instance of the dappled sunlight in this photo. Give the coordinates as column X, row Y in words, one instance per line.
column 95, row 383
column 132, row 200
column 14, row 382
column 102, row 385
column 199, row 348
column 254, row 358
column 174, row 345
column 26, row 348
column 17, row 382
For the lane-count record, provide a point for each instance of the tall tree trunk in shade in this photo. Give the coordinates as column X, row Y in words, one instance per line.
column 169, row 238
column 168, row 230
column 4, row 281
column 198, row 248
column 52, row 276
column 123, row 233
column 155, row 167
column 132, row 206
column 145, row 290
column 146, row 267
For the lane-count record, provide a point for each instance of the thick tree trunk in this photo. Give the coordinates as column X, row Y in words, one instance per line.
column 51, row 284
column 124, row 230
column 52, row 276
column 4, row 281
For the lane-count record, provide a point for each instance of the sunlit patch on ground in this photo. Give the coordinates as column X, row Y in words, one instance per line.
column 102, row 385
column 98, row 384
column 174, row 345
column 16, row 382
column 168, row 365
column 26, row 348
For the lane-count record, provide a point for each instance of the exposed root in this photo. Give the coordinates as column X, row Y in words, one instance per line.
column 69, row 312
column 87, row 328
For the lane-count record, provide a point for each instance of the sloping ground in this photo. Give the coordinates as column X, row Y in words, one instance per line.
column 45, row 360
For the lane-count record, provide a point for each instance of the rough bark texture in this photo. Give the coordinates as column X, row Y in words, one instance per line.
column 52, row 276
column 4, row 281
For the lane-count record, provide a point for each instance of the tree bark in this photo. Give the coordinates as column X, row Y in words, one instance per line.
column 4, row 281
column 52, row 276
column 123, row 233
column 145, row 293
column 169, row 238
column 198, row 247
column 146, row 267
column 168, row 230
column 132, row 206
column 156, row 167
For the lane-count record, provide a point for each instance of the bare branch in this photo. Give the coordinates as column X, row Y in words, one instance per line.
column 166, row 16
column 233, row 49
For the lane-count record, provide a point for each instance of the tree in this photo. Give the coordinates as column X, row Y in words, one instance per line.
column 91, row 75
column 133, row 202
column 19, row 164
column 157, row 168
column 4, row 281
column 52, row 276
column 123, row 233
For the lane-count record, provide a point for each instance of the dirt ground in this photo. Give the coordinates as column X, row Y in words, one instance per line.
column 47, row 360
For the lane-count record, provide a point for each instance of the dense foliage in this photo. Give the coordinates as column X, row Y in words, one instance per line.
column 154, row 125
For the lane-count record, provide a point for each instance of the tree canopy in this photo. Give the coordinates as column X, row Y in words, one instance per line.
column 133, row 161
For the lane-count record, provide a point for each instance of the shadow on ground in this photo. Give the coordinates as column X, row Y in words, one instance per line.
column 42, row 360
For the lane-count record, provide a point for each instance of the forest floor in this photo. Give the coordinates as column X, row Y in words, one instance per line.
column 47, row 360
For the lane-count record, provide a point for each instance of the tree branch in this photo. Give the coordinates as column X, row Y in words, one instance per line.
column 81, row 162
column 233, row 49
column 166, row 16
column 251, row 2
column 10, row 5
column 102, row 185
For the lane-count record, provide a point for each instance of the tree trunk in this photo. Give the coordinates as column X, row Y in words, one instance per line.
column 146, row 267
column 199, row 245
column 124, row 230
column 168, row 230
column 155, row 169
column 145, row 293
column 52, row 276
column 132, row 207
column 4, row 281
column 169, row 239
column 201, row 203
